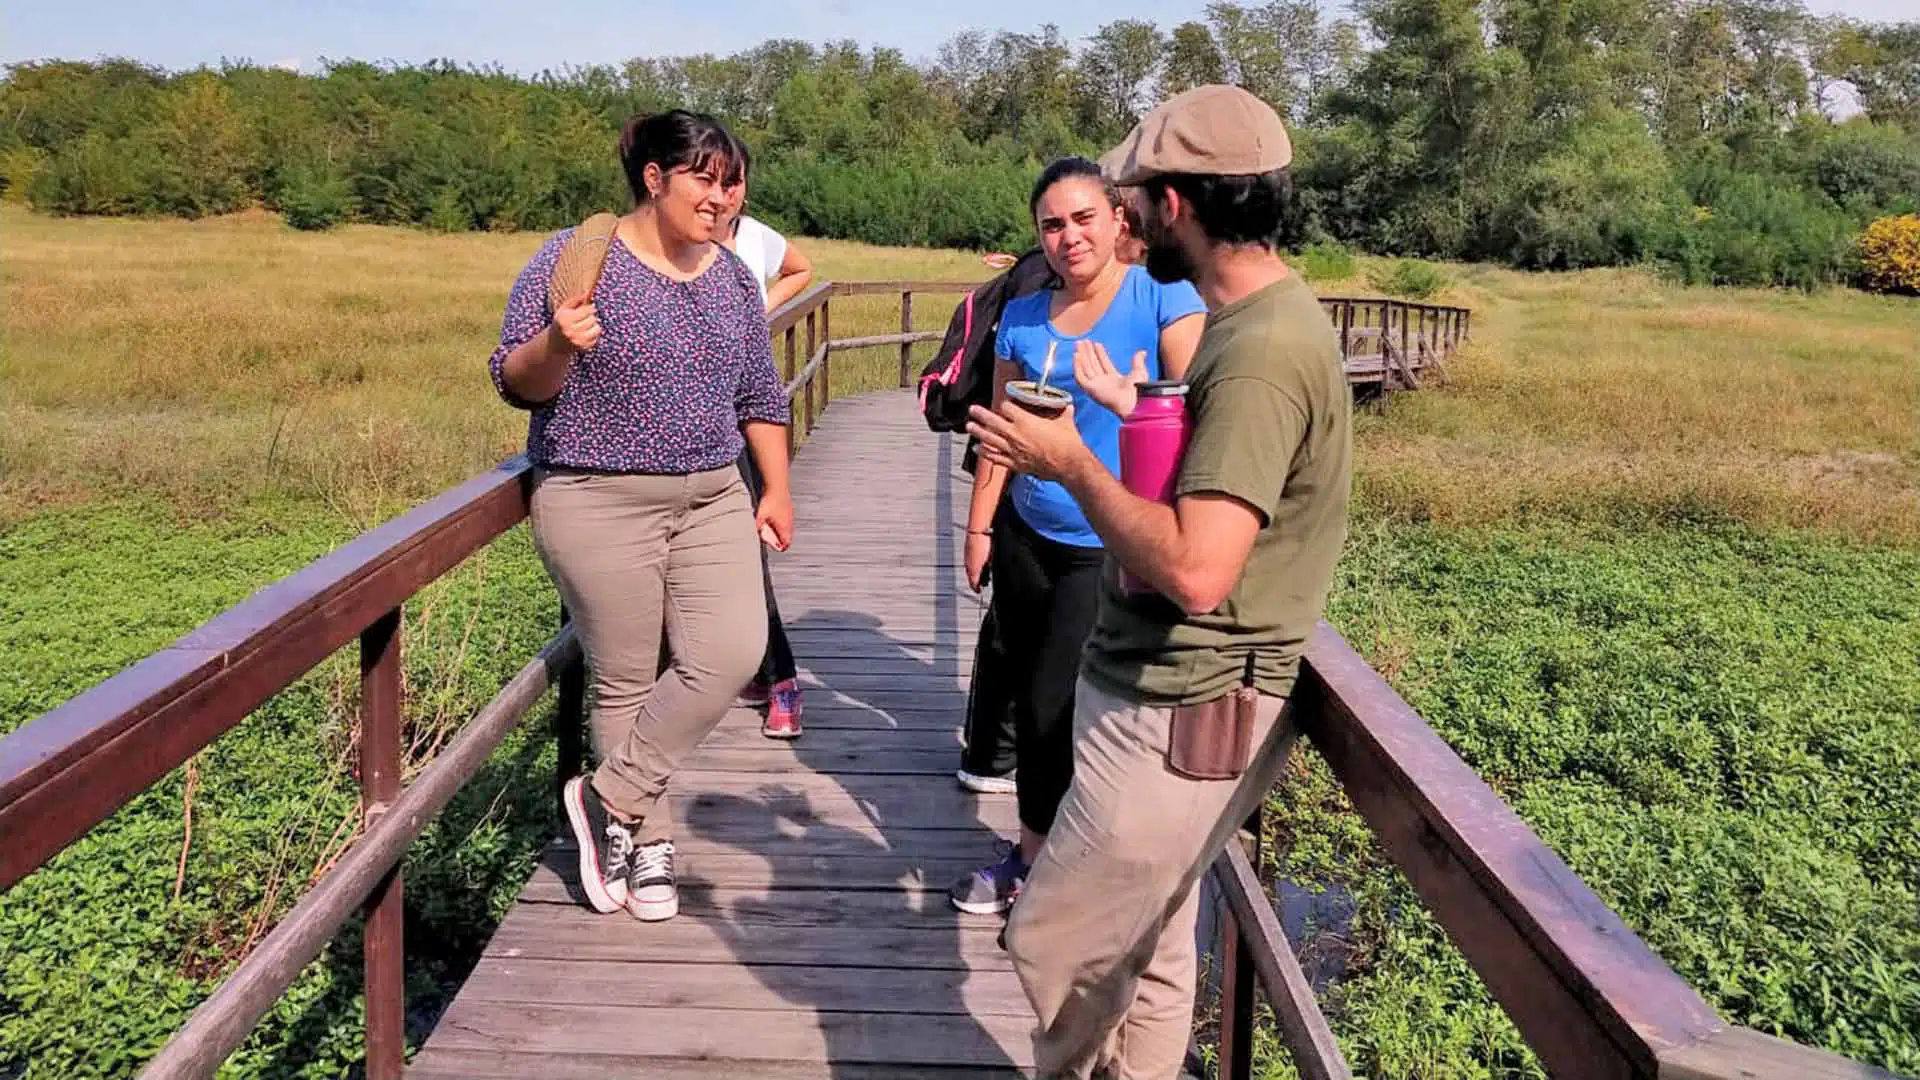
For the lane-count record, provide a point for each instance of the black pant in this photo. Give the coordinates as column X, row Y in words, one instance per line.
column 776, row 665
column 1045, row 598
column 991, row 736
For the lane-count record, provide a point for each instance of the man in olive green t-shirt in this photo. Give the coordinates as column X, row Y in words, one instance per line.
column 1102, row 934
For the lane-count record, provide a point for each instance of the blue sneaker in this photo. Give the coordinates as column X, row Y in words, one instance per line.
column 992, row 889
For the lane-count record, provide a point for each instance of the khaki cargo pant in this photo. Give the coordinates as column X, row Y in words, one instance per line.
column 1103, row 933
column 630, row 554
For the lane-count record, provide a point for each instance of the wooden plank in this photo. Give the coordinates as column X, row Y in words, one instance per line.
column 915, row 677
column 903, row 1041
column 1316, row 1054
column 889, row 800
column 828, row 669
column 569, row 932
column 926, row 910
column 438, row 1064
column 1744, row 1054
column 66, row 771
column 1590, row 997
column 382, row 939
column 750, row 872
column 753, row 838
column 746, row 736
column 851, row 762
column 865, row 808
column 870, row 712
column 744, row 985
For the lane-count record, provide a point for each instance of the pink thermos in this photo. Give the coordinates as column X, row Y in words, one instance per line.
column 1153, row 439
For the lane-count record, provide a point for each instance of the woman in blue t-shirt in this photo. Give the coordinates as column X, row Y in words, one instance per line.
column 1045, row 555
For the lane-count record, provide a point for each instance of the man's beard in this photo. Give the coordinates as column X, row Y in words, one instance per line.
column 1167, row 261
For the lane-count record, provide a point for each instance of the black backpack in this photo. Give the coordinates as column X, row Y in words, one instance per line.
column 960, row 374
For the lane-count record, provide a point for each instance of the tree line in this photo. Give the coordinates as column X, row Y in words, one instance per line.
column 1701, row 135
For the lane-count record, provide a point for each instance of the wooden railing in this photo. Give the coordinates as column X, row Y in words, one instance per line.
column 1587, row 994
column 809, row 373
column 1392, row 342
column 1590, row 998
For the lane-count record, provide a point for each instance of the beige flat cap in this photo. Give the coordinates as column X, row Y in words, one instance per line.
column 1208, row 130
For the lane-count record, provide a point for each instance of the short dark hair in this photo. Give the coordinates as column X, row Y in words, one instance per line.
column 1068, row 168
column 744, row 155
column 1249, row 209
column 677, row 139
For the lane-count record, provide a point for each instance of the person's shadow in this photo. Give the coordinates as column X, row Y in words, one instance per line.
column 863, row 843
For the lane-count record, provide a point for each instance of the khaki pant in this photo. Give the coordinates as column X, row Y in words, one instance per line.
column 630, row 554
column 1103, row 933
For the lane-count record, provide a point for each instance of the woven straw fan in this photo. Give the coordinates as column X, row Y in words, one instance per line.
column 578, row 269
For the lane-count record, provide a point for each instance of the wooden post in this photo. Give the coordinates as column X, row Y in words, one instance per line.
column 1346, row 330
column 793, row 430
column 813, row 342
column 826, row 365
column 569, row 718
column 906, row 347
column 1406, row 342
column 382, row 947
column 1237, row 978
column 812, row 338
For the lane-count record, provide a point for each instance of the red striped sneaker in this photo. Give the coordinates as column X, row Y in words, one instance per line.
column 783, row 711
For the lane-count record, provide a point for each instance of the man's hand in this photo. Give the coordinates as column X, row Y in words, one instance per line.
column 1103, row 382
column 1043, row 448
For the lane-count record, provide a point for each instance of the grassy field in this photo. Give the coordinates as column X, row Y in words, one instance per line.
column 1650, row 561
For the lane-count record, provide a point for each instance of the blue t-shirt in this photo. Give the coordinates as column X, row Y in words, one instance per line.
column 1140, row 310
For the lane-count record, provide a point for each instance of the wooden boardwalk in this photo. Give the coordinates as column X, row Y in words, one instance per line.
column 814, row 939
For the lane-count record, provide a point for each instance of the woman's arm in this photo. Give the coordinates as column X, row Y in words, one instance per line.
column 537, row 369
column 989, row 484
column 1178, row 342
column 768, row 445
column 529, row 365
column 796, row 272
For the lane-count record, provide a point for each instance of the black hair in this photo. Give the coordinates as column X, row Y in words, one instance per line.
column 1068, row 168
column 1237, row 210
column 743, row 155
column 677, row 139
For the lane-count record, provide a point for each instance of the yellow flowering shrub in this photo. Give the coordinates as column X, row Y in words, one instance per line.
column 1890, row 254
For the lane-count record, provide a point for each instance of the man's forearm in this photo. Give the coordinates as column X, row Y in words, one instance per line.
column 1142, row 534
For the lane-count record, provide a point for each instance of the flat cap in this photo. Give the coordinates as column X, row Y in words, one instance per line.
column 1208, row 131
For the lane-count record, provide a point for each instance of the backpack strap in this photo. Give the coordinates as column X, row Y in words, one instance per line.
column 577, row 270
column 946, row 376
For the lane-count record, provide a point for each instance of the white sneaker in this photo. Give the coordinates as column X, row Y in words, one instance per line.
column 652, row 894
column 986, row 785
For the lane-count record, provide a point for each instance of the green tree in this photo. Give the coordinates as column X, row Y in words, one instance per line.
column 1120, row 65
column 1193, row 59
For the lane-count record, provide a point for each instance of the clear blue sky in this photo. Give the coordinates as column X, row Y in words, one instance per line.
column 527, row 35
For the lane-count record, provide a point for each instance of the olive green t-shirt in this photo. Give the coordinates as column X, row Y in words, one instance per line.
column 1272, row 427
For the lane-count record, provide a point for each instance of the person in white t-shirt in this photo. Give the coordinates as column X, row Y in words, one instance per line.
column 782, row 273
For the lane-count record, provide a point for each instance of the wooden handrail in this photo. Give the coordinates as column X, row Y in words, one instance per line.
column 65, row 772
column 879, row 288
column 222, row 1022
column 1587, row 994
